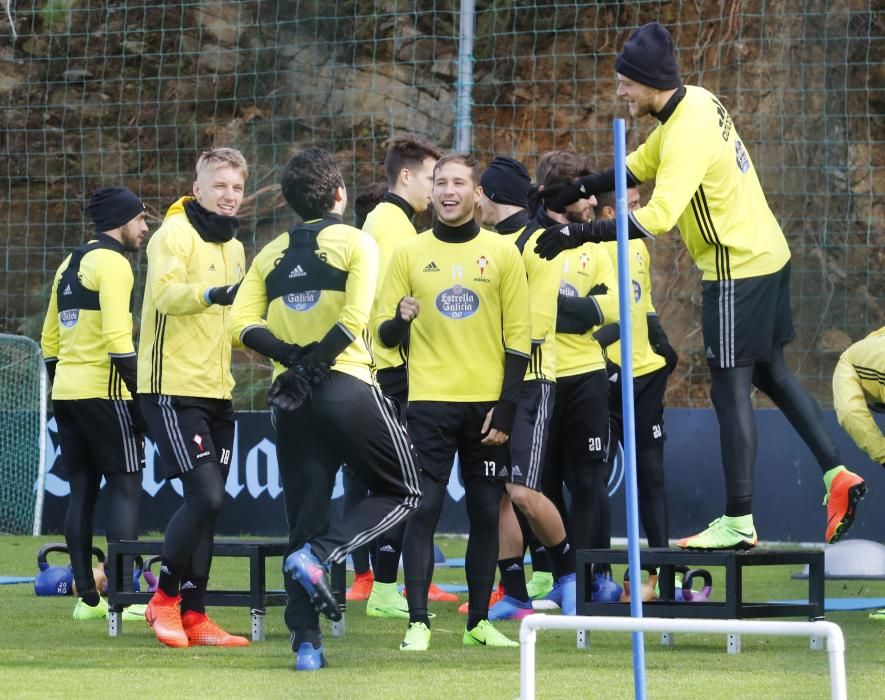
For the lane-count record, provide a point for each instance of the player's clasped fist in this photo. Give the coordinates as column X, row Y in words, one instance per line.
column 408, row 308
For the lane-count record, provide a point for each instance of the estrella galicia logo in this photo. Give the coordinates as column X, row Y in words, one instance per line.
column 741, row 157
column 637, row 291
column 302, row 301
column 457, row 302
column 68, row 317
column 567, row 290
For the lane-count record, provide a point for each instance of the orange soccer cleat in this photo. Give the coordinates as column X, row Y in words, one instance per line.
column 201, row 631
column 164, row 615
column 438, row 595
column 845, row 492
column 497, row 594
column 362, row 586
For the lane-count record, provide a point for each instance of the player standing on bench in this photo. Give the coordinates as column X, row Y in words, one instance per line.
column 90, row 358
column 315, row 286
column 706, row 184
column 195, row 264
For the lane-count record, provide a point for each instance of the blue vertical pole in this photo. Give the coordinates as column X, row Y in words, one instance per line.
column 625, row 301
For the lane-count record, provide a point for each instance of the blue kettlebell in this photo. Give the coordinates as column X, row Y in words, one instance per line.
column 604, row 589
column 53, row 580
column 137, row 569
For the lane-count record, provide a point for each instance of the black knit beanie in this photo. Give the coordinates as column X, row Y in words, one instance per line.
column 648, row 58
column 506, row 181
column 112, row 207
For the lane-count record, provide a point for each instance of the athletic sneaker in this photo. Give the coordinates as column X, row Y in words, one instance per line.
column 497, row 594
column 510, row 609
column 878, row 615
column 386, row 601
column 540, row 584
column 202, row 632
column 724, row 533
column 417, row 638
column 309, row 571
column 310, row 658
column 164, row 615
column 568, row 593
column 438, row 595
column 82, row 611
column 134, row 612
column 484, row 635
column 362, row 586
column 845, row 489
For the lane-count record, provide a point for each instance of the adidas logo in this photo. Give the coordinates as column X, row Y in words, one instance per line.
column 614, row 377
column 514, row 567
column 67, row 291
column 188, row 585
column 516, row 471
column 297, row 271
column 564, row 231
column 502, row 471
column 583, row 191
column 431, row 267
column 386, row 548
column 164, row 569
column 212, row 267
column 710, row 353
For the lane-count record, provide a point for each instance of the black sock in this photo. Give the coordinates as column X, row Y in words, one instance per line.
column 473, row 619
column 170, row 579
column 420, row 617
column 387, row 554
column 193, row 595
column 513, row 578
column 734, row 508
column 91, row 598
column 563, row 557
column 540, row 558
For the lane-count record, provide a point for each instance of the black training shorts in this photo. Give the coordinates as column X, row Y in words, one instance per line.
column 96, row 435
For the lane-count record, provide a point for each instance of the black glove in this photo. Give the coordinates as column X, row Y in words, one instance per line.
column 561, row 237
column 660, row 343
column 671, row 357
column 558, row 197
column 312, row 365
column 288, row 391
column 139, row 424
column 51, row 365
column 223, row 296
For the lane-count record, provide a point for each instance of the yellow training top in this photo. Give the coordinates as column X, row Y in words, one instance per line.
column 858, row 387
column 706, row 184
column 584, row 268
column 474, row 307
column 88, row 320
column 304, row 282
column 645, row 359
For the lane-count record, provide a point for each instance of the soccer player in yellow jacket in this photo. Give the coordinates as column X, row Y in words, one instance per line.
column 194, row 267
column 305, row 304
column 90, row 358
column 460, row 294
column 706, row 184
column 858, row 391
column 579, row 432
column 408, row 165
column 503, row 204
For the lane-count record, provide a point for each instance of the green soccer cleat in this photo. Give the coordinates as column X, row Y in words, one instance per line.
column 134, row 612
column 724, row 533
column 878, row 615
column 386, row 601
column 539, row 585
column 484, row 635
column 417, row 637
column 87, row 612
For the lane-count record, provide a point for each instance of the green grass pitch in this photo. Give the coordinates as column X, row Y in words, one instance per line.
column 45, row 654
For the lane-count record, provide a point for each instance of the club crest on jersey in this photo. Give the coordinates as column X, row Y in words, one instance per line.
column 483, row 263
column 457, row 302
column 584, row 258
column 302, row 301
column 567, row 290
column 68, row 317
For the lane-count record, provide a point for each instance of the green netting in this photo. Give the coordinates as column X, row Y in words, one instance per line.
column 130, row 92
column 22, row 429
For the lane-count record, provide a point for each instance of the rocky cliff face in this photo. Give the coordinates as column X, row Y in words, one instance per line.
column 113, row 92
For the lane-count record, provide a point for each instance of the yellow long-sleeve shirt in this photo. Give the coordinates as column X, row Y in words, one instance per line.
column 583, row 268
column 858, row 386
column 84, row 339
column 185, row 347
column 474, row 308
column 706, row 184
column 645, row 359
column 299, row 289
